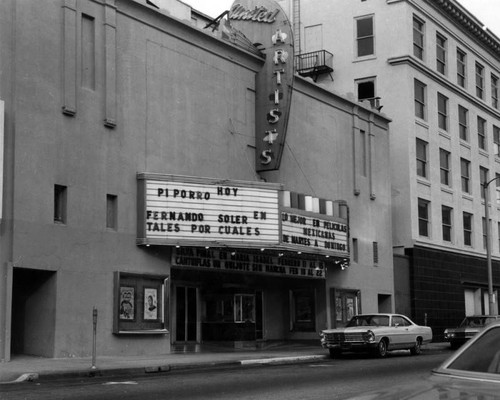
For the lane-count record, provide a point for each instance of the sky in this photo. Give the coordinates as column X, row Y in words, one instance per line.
column 487, row 11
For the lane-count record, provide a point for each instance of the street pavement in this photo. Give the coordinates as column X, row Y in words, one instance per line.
column 196, row 357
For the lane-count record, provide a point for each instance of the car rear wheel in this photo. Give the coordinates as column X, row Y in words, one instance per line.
column 417, row 348
column 334, row 353
column 382, row 348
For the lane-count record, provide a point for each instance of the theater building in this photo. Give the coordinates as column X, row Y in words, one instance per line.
column 170, row 185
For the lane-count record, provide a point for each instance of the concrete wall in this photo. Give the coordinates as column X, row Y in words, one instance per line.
column 322, row 123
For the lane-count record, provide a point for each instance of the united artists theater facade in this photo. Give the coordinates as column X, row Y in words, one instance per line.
column 177, row 185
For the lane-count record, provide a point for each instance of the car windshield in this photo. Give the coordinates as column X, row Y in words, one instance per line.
column 473, row 322
column 369, row 320
column 482, row 356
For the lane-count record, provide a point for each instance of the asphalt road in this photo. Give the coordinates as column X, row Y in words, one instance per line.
column 330, row 379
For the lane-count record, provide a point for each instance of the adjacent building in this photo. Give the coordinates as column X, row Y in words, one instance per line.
column 169, row 185
column 434, row 68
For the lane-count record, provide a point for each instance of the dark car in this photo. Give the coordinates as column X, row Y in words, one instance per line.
column 469, row 327
column 471, row 373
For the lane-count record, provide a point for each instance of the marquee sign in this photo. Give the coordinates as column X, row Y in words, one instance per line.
column 265, row 23
column 313, row 233
column 247, row 262
column 178, row 210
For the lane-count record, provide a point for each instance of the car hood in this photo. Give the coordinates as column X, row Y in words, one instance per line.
column 438, row 387
column 353, row 329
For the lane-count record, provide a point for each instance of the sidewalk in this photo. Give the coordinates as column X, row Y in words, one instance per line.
column 28, row 368
column 22, row 367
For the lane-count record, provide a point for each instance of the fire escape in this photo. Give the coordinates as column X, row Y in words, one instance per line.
column 314, row 64
column 311, row 64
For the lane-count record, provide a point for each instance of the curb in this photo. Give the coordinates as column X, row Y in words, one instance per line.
column 284, row 360
column 159, row 369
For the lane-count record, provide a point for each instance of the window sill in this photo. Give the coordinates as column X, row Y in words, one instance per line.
column 467, row 196
column 447, row 189
column 421, row 122
column 445, row 134
column 365, row 58
column 423, row 181
column 484, row 153
column 465, row 144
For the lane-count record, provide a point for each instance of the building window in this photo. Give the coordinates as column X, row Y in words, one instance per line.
column 60, row 203
column 444, row 165
column 111, row 211
column 244, row 308
column 446, row 219
column 442, row 112
column 494, row 91
column 366, row 89
column 496, row 140
column 420, row 90
column 467, row 222
column 441, row 53
column 423, row 217
column 481, row 133
column 418, row 38
column 465, row 175
column 355, row 250
column 421, row 158
column 88, row 46
column 497, row 186
column 463, row 127
column 375, row 253
column 461, row 67
column 479, row 80
column 364, row 36
column 498, row 234
column 484, row 232
column 483, row 178
column 362, row 155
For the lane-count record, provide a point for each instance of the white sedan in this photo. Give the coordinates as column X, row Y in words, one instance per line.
column 377, row 333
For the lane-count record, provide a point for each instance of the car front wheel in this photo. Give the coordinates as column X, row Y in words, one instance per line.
column 381, row 348
column 417, row 348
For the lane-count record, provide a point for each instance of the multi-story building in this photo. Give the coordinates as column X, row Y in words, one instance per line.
column 134, row 201
column 435, row 70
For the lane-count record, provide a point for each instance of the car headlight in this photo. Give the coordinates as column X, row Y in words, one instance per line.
column 449, row 335
column 369, row 337
column 321, row 335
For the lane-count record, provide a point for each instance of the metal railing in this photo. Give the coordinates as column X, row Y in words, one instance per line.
column 314, row 63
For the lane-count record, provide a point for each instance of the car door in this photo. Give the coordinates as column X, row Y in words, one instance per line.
column 400, row 332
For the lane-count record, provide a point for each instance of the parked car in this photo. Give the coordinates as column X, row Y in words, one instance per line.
column 376, row 333
column 467, row 329
column 471, row 373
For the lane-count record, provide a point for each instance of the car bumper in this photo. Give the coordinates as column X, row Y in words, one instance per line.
column 350, row 346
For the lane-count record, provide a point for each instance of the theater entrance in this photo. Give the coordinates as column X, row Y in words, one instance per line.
column 186, row 300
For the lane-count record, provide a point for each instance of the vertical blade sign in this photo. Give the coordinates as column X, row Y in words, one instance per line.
column 266, row 25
